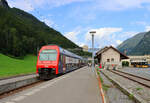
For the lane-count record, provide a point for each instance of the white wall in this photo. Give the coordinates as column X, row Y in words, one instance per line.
column 109, row 54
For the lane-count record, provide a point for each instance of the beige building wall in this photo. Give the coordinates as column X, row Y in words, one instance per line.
column 85, row 48
column 140, row 58
column 109, row 54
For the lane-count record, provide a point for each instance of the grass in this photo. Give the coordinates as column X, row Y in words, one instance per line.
column 131, row 96
column 101, row 79
column 11, row 66
column 138, row 89
column 104, row 86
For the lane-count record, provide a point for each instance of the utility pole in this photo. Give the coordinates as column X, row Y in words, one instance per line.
column 93, row 32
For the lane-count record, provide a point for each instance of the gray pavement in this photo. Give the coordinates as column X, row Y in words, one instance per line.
column 79, row 86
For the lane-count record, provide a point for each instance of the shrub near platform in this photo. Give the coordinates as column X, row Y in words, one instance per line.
column 11, row 66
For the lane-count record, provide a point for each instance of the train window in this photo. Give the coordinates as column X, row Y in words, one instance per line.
column 48, row 55
column 112, row 59
column 108, row 60
column 61, row 58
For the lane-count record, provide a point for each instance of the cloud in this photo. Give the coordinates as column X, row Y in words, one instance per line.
column 77, row 35
column 104, row 36
column 113, row 45
column 143, row 23
column 22, row 4
column 102, row 33
column 30, row 5
column 128, row 34
column 72, row 35
column 113, row 5
column 118, row 42
column 49, row 22
column 57, row 3
column 120, row 4
column 147, row 28
column 80, row 44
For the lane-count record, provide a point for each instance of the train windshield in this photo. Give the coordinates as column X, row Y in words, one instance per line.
column 48, row 55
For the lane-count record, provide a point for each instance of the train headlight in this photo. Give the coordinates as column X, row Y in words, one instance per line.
column 46, row 66
column 53, row 69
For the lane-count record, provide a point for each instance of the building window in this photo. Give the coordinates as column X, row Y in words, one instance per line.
column 112, row 59
column 108, row 60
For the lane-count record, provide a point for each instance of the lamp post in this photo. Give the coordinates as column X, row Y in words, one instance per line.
column 93, row 32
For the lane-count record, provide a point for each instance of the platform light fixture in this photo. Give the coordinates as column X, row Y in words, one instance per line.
column 92, row 33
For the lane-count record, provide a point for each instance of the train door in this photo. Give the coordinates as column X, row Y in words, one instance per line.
column 64, row 63
column 60, row 70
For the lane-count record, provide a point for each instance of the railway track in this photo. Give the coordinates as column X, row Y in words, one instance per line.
column 143, row 81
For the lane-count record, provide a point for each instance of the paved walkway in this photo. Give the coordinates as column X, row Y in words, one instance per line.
column 80, row 86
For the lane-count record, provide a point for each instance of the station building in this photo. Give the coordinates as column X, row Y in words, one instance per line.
column 85, row 48
column 110, row 57
column 135, row 61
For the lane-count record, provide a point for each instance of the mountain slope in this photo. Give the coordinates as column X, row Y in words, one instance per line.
column 21, row 33
column 129, row 44
column 4, row 3
column 143, row 47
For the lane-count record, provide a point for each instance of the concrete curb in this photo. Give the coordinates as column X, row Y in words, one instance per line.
column 136, row 98
column 6, row 87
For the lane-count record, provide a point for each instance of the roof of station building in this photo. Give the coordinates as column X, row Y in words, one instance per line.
column 123, row 56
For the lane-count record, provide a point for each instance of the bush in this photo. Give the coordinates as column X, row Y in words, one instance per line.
column 125, row 63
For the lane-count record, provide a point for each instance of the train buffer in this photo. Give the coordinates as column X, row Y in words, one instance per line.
column 79, row 86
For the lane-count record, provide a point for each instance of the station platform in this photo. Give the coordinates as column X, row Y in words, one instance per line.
column 9, row 84
column 79, row 86
column 15, row 79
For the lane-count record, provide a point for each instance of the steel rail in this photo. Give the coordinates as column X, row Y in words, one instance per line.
column 133, row 75
column 143, row 81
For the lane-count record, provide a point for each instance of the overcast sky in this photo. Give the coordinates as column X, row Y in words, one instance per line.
column 113, row 20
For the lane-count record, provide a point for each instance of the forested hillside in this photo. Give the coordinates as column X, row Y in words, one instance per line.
column 137, row 45
column 130, row 43
column 143, row 47
column 21, row 33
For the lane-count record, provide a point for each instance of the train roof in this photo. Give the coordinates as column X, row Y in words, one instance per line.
column 66, row 52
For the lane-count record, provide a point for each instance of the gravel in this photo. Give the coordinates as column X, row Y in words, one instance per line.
column 143, row 72
column 136, row 89
column 113, row 94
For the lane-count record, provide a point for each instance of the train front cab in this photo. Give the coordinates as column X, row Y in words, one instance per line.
column 47, row 63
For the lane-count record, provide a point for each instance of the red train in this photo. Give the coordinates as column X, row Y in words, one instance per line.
column 53, row 59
